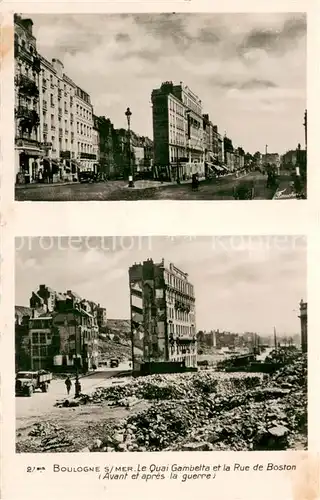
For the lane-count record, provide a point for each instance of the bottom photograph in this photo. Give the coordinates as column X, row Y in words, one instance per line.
column 163, row 343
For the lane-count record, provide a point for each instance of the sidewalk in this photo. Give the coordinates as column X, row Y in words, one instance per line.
column 43, row 184
column 145, row 184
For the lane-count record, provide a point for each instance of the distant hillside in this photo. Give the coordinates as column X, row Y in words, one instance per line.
column 110, row 349
column 120, row 345
column 120, row 328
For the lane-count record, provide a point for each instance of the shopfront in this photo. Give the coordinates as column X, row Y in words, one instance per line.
column 28, row 155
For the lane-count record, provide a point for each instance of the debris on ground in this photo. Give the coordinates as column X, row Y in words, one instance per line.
column 199, row 411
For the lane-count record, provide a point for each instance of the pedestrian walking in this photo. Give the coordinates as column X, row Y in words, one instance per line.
column 68, row 384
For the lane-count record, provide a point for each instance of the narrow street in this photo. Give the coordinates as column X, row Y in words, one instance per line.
column 215, row 189
column 41, row 405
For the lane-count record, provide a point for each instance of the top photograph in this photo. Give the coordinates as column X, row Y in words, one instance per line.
column 112, row 107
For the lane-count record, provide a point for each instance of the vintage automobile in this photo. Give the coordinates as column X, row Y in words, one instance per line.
column 29, row 381
column 87, row 176
column 114, row 363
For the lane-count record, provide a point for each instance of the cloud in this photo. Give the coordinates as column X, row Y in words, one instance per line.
column 255, row 83
column 211, row 53
column 276, row 39
column 238, row 280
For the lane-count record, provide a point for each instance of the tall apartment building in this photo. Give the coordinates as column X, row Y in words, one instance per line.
column 57, row 93
column 162, row 314
column 177, row 131
column 28, row 151
column 53, row 116
column 84, row 130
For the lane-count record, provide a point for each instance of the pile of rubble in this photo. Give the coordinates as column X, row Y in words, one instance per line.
column 172, row 387
column 213, row 411
column 50, row 437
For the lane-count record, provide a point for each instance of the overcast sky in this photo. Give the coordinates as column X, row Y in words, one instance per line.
column 248, row 69
column 241, row 284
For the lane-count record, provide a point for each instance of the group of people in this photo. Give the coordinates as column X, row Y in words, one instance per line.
column 77, row 386
column 45, row 176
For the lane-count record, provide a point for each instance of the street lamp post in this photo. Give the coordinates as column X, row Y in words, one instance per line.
column 131, row 166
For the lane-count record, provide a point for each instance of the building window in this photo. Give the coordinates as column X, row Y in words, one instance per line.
column 35, row 351
column 43, row 351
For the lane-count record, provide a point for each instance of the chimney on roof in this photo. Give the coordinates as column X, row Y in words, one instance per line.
column 27, row 24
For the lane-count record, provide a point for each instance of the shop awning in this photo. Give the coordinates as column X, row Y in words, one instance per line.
column 215, row 167
column 213, row 157
column 31, row 152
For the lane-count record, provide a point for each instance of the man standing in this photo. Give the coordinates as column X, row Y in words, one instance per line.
column 68, row 384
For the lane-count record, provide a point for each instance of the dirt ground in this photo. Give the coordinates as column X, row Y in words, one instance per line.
column 81, row 425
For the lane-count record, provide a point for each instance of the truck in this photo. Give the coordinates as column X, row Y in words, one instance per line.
column 27, row 382
column 114, row 363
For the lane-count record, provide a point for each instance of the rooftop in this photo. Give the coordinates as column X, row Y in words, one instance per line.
column 23, row 311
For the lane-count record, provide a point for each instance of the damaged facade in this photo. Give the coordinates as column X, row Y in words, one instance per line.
column 162, row 314
column 58, row 332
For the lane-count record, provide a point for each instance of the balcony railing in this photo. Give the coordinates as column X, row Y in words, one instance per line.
column 45, row 127
column 26, row 86
column 28, row 119
column 23, row 112
column 24, row 54
column 25, row 141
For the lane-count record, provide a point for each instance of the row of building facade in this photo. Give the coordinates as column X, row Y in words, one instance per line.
column 54, row 121
column 56, row 131
column 185, row 139
column 59, row 331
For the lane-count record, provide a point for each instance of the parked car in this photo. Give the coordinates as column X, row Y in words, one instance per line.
column 29, row 381
column 87, row 176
